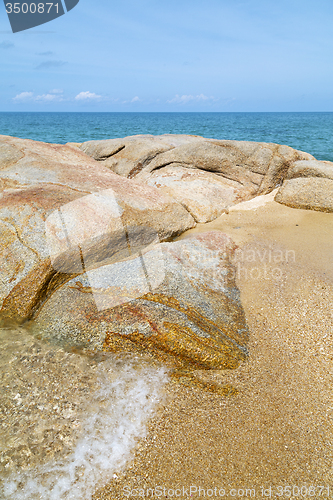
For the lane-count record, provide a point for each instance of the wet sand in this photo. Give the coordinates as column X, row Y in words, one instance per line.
column 277, row 431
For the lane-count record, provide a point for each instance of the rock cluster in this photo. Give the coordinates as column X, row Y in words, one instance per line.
column 83, row 262
column 205, row 175
column 85, row 252
column 37, row 179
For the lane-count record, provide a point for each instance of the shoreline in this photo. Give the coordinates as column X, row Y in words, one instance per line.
column 206, row 440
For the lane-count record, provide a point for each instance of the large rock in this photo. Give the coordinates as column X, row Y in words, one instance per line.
column 205, row 175
column 309, row 193
column 35, row 180
column 25, row 266
column 130, row 154
column 177, row 299
column 308, row 185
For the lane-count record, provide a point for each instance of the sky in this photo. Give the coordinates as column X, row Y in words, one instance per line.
column 173, row 55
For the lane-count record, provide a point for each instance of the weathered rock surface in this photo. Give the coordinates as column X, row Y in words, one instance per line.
column 25, row 267
column 127, row 155
column 205, row 175
column 309, row 193
column 204, row 194
column 176, row 299
column 308, row 185
column 311, row 168
column 35, row 180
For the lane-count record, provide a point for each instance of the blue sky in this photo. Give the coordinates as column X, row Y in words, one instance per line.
column 177, row 55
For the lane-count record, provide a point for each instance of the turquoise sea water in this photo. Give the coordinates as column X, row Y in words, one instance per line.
column 310, row 132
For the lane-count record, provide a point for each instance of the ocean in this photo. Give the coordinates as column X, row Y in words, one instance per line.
column 310, row 132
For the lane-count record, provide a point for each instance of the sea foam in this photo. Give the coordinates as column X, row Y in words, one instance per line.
column 112, row 418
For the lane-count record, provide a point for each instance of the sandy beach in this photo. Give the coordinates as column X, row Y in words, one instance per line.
column 277, row 430
column 166, row 250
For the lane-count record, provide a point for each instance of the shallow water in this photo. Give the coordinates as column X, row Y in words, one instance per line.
column 68, row 421
column 310, row 132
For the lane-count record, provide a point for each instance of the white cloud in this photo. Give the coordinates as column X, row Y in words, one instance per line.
column 87, row 96
column 56, row 91
column 23, row 96
column 135, row 99
column 48, row 98
column 184, row 99
column 29, row 96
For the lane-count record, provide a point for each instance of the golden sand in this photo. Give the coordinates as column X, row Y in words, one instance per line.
column 277, row 430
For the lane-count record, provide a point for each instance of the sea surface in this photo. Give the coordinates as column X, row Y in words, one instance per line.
column 310, row 132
